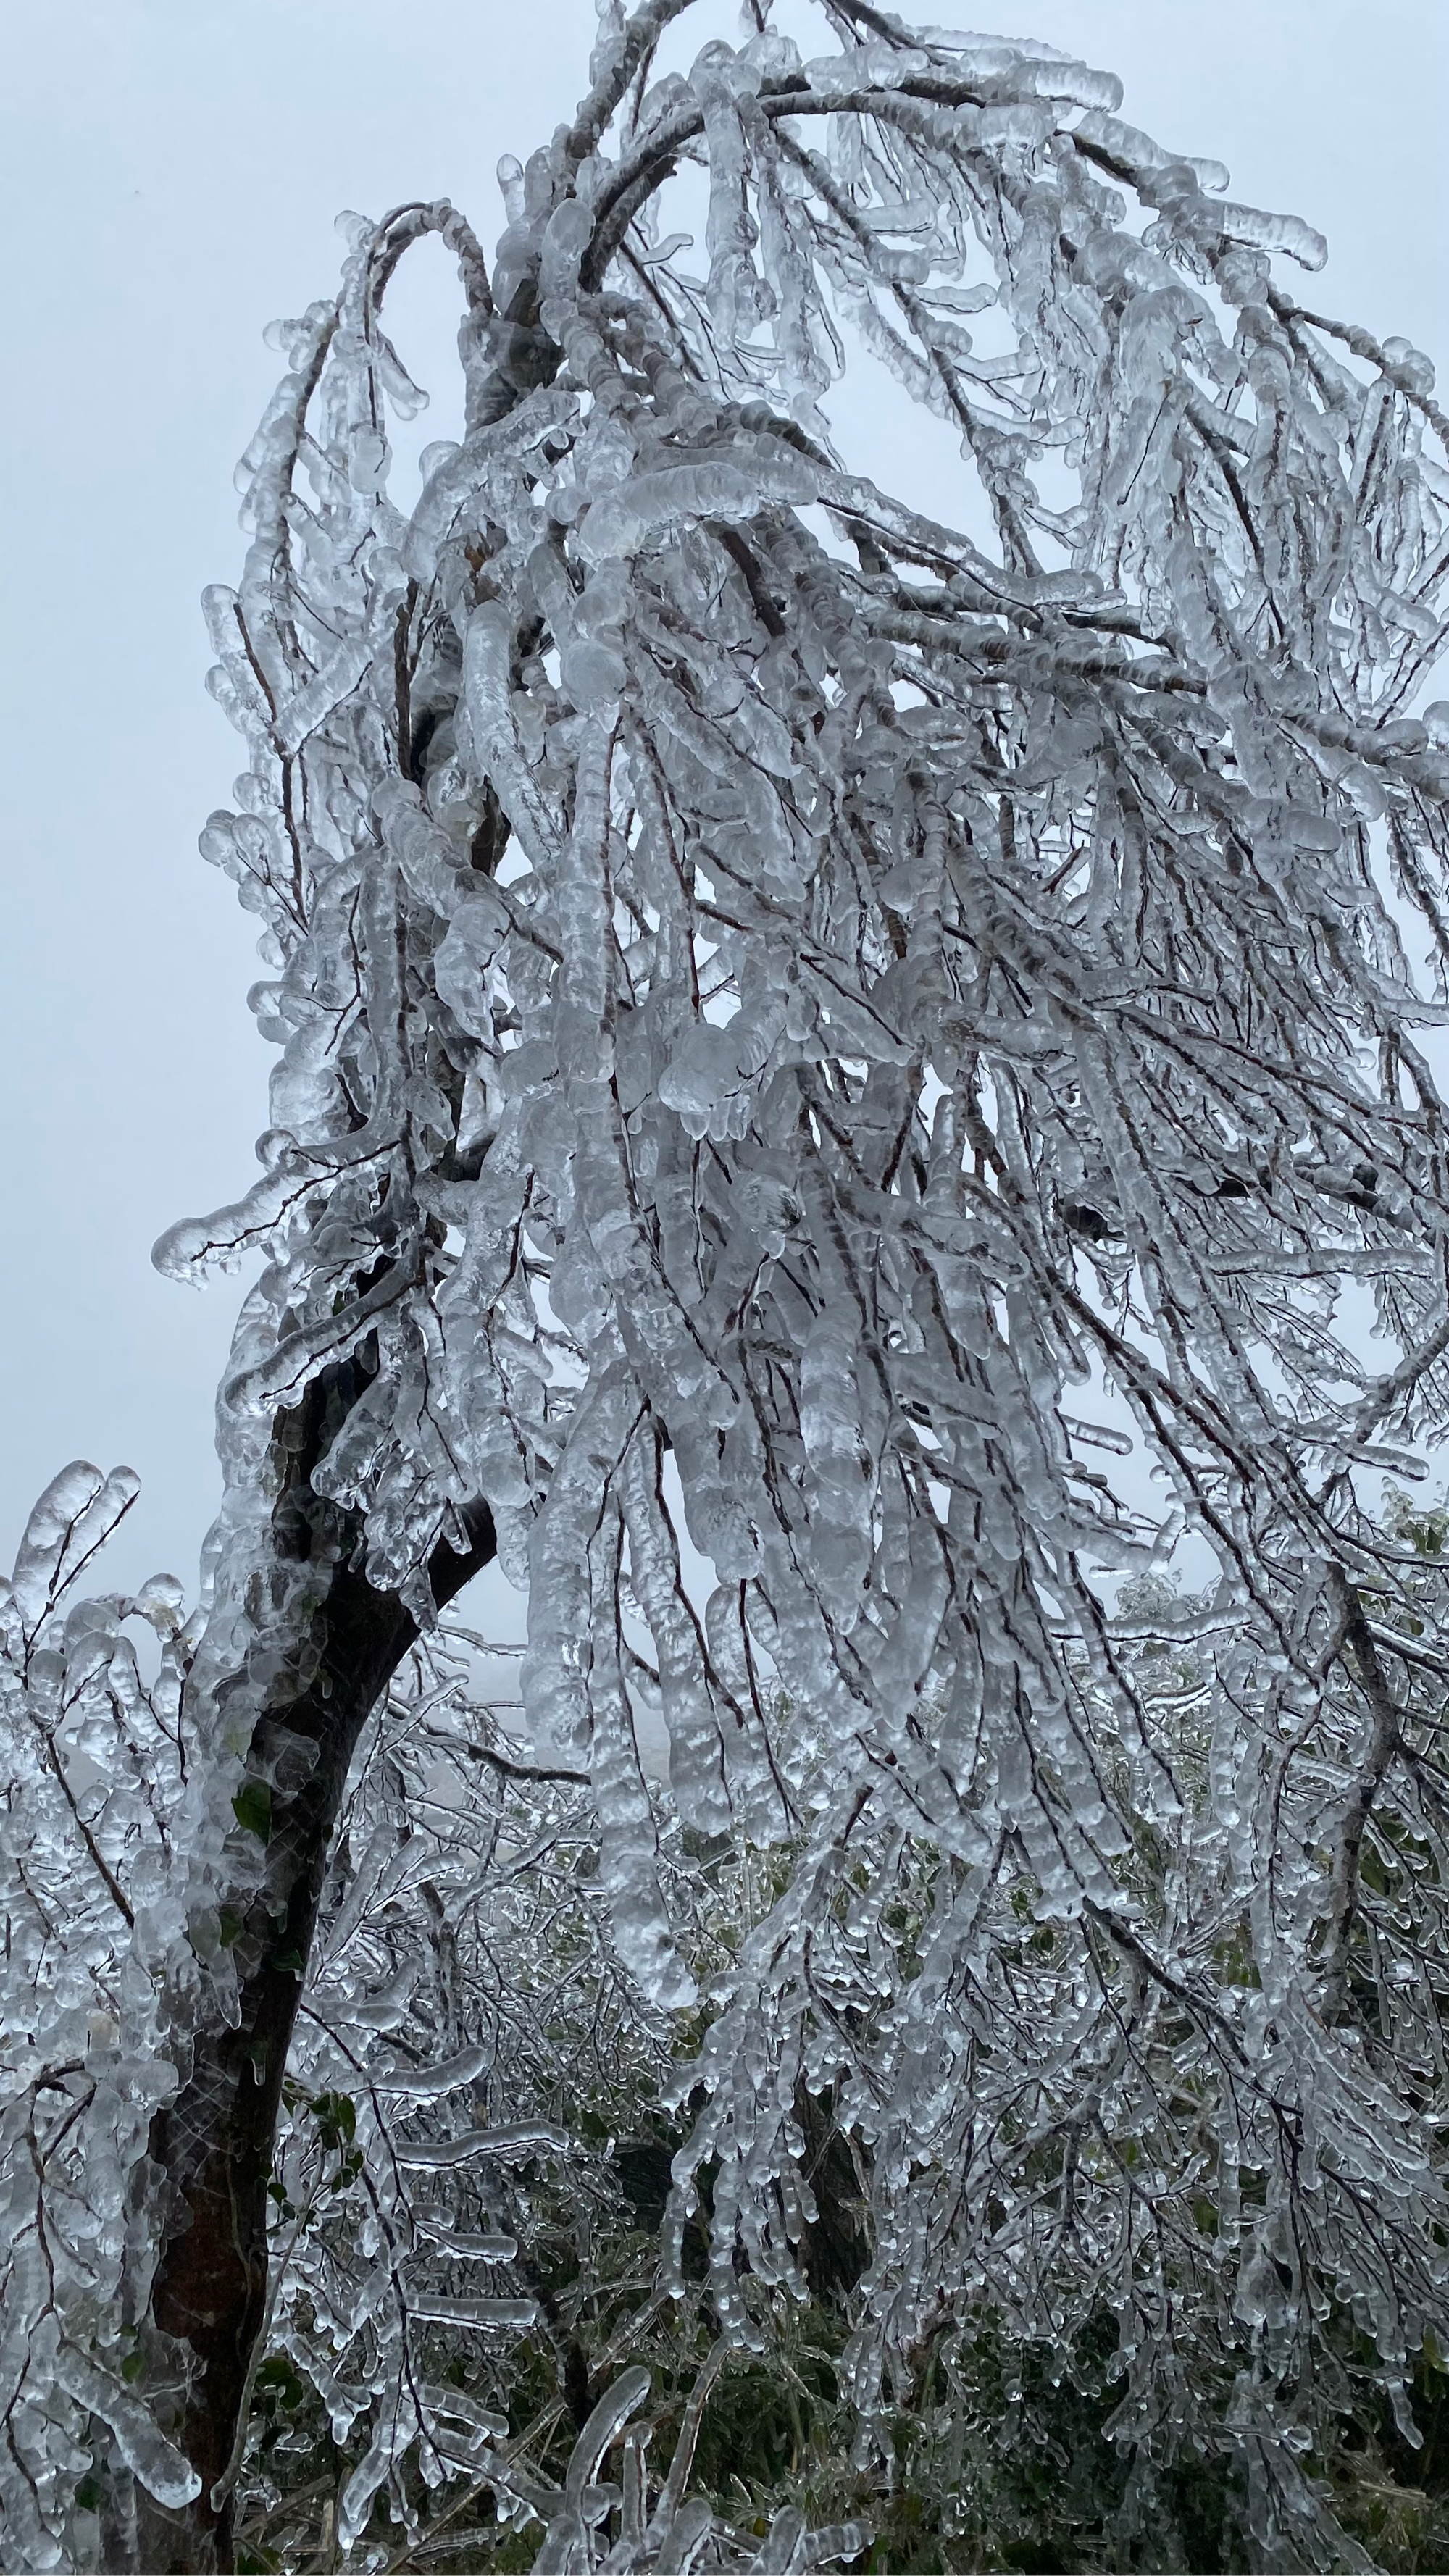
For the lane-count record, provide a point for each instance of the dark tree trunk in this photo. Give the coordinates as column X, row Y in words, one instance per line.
column 214, row 2141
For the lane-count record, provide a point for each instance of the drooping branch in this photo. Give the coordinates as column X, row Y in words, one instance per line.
column 1385, row 1740
column 926, row 986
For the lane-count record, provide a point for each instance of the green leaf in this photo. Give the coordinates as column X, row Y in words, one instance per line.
column 230, row 1923
column 278, row 2381
column 290, row 1962
column 336, row 2117
column 252, row 1808
column 132, row 2367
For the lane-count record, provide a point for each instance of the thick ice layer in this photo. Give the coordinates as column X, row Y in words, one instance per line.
column 792, row 1018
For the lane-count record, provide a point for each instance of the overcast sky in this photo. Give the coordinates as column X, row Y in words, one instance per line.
column 171, row 172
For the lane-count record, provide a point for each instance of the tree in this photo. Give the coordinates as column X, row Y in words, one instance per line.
column 775, row 994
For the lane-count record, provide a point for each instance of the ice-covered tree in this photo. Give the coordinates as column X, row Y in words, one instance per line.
column 807, row 1033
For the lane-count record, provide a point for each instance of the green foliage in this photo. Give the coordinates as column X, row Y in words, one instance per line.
column 988, row 2453
column 252, row 1808
column 336, row 2118
column 1001, row 2457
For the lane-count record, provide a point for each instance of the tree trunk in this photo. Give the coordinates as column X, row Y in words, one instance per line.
column 214, row 2141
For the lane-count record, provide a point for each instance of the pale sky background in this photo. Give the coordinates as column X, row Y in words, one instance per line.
column 169, row 175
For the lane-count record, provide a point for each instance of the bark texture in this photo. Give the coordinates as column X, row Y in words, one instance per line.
column 214, row 2141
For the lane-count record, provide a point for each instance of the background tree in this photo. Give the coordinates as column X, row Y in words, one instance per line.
column 775, row 993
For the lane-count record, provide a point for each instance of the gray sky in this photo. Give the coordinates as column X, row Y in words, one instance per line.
column 172, row 169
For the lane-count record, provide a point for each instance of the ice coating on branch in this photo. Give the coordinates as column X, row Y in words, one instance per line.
column 826, row 1023
column 162, row 2470
column 91, row 1780
column 417, row 2094
column 645, row 509
column 829, row 1008
column 73, row 1518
